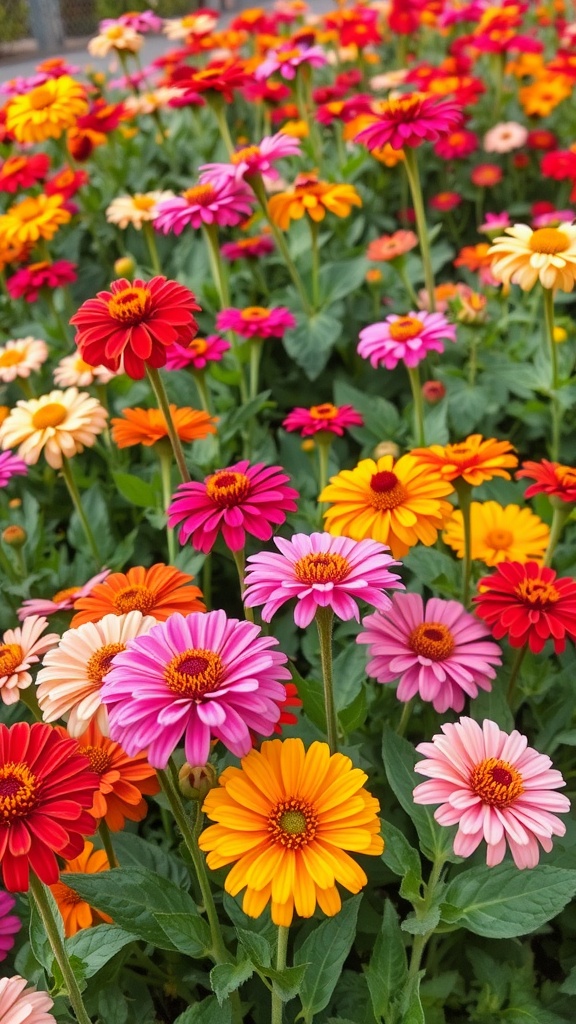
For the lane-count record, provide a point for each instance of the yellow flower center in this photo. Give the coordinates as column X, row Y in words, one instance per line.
column 404, row 105
column 18, row 791
column 137, row 598
column 81, row 367
column 40, row 98
column 114, row 32
column 228, row 488
column 537, row 593
column 496, row 782
column 50, row 415
column 200, row 195
column 432, row 640
column 255, row 313
column 11, row 357
column 387, row 491
column 327, row 411
column 199, row 346
column 100, row 662
column 35, row 267
column 566, row 476
column 63, row 595
column 129, row 305
column 247, row 154
column 100, row 760
column 320, row 567
column 194, row 672
column 500, row 540
column 143, row 202
column 10, row 658
column 292, row 823
column 405, row 328
column 549, row 241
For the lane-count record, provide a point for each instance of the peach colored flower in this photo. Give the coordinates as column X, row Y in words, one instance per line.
column 61, row 423
column 20, row 357
column 19, row 649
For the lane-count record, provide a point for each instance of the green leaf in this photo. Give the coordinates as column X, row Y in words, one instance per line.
column 136, row 491
column 39, row 943
column 311, row 693
column 190, row 935
column 256, row 947
column 411, row 1006
column 311, row 342
column 398, row 855
column 96, row 946
column 227, row 978
column 340, row 279
column 288, row 982
column 493, row 705
column 568, row 986
column 78, row 970
column 353, row 716
column 325, row 950
column 503, row 902
column 388, row 969
column 208, row 1011
column 231, row 422
column 133, row 850
column 381, row 418
column 112, row 1004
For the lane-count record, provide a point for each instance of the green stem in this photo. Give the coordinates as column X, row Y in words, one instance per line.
column 464, row 492
column 399, row 267
column 220, row 278
column 281, row 950
column 203, row 392
column 163, row 404
column 515, row 672
column 220, row 115
column 25, row 387
column 416, row 386
column 419, row 944
column 323, row 444
column 555, row 405
column 107, row 844
column 314, row 229
column 472, row 361
column 560, row 516
column 411, row 165
column 40, row 897
column 29, row 698
column 240, row 563
column 150, row 236
column 207, row 581
column 257, row 186
column 165, row 457
column 324, row 618
column 404, row 718
column 255, row 356
column 77, row 502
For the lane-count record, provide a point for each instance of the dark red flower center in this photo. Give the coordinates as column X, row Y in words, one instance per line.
column 100, row 662
column 387, row 491
column 292, row 823
column 228, row 488
column 496, row 782
column 19, row 790
column 130, row 305
column 194, row 672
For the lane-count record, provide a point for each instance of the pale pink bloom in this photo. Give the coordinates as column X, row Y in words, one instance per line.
column 72, row 371
column 21, row 1005
column 326, row 417
column 554, row 218
column 438, row 651
column 193, row 25
column 256, row 321
column 287, row 59
column 505, row 137
column 226, row 204
column 19, row 649
column 494, row 787
column 20, row 357
column 257, row 159
column 63, row 600
column 140, row 21
column 405, row 338
column 197, row 354
column 155, row 99
column 197, row 676
column 494, row 223
column 59, row 424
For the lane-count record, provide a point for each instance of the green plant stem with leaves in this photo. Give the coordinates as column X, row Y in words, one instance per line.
column 164, row 406
column 150, row 237
column 555, row 407
column 418, row 405
column 164, row 452
column 74, row 493
column 106, row 838
column 324, row 621
column 560, row 515
column 314, row 248
column 220, row 279
column 281, row 951
column 464, row 492
column 257, row 186
column 413, row 175
column 216, row 104
column 420, row 941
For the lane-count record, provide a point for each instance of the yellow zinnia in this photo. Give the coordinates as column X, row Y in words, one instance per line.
column 46, row 111
column 523, row 256
column 313, row 197
column 285, row 820
column 33, row 218
column 499, row 534
column 397, row 503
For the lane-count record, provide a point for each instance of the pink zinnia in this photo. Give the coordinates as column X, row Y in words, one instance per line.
column 28, row 282
column 197, row 676
column 235, row 501
column 11, row 465
column 326, row 417
column 9, row 924
column 287, row 59
column 494, row 787
column 257, row 159
column 256, row 321
column 63, row 600
column 197, row 354
column 248, row 248
column 437, row 650
column 408, row 338
column 225, row 204
column 320, row 571
column 410, row 121
column 21, row 1005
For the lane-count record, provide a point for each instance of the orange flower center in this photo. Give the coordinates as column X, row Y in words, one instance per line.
column 461, row 454
column 549, row 241
column 227, row 488
column 68, row 592
column 199, row 346
column 50, row 415
column 137, row 598
column 40, row 98
column 537, row 593
column 432, row 640
column 255, row 313
column 500, row 540
column 11, row 357
column 100, row 662
column 496, row 782
column 327, row 411
column 566, row 477
column 143, row 202
column 405, row 328
column 456, row 138
column 387, row 491
column 35, row 267
column 321, row 567
column 130, row 305
column 247, row 154
column 292, row 824
column 100, row 760
column 200, row 195
column 10, row 657
column 194, row 673
column 18, row 791
column 114, row 32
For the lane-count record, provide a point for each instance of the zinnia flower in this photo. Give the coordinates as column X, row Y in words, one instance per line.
column 528, row 604
column 70, row 681
column 314, row 198
column 28, row 282
column 256, row 321
column 21, row 357
column 505, row 137
column 287, row 59
column 251, row 248
column 135, row 210
column 137, row 322
column 330, row 418
column 115, row 37
column 257, row 159
column 197, row 677
column 72, row 371
column 32, row 218
column 9, row 924
column 197, row 354
column 46, row 111
column 408, row 338
column 23, row 171
column 286, row 819
column 397, row 503
column 46, row 788
column 552, row 479
column 523, row 256
column 11, row 466
column 494, row 787
column 390, row 247
column 499, row 534
column 474, row 460
column 61, row 424
column 160, row 591
column 147, row 426
column 63, row 600
column 20, row 648
column 410, row 121
column 320, row 571
column 235, row 501
column 123, row 780
column 21, row 1005
column 437, row 650
column 76, row 912
column 225, row 203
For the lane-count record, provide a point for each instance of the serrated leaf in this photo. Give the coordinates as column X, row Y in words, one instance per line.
column 287, row 982
column 133, row 850
column 311, row 342
column 39, row 942
column 136, row 491
column 325, row 950
column 256, row 947
column 227, row 978
column 190, row 935
column 398, row 855
column 96, row 946
column 388, row 969
column 208, row 1011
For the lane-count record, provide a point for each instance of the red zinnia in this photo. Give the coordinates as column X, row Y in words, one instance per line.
column 135, row 321
column 529, row 605
column 46, row 790
column 23, row 171
column 552, row 478
column 28, row 282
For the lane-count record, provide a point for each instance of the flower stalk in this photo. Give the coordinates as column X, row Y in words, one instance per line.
column 464, row 492
column 555, row 408
column 413, row 175
column 164, row 405
column 281, row 951
column 418, row 404
column 324, row 620
column 74, row 493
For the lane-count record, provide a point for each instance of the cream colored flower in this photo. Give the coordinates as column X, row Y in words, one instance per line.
column 115, row 37
column 135, row 210
column 20, row 648
column 21, row 357
column 505, row 137
column 523, row 256
column 72, row 371
column 191, row 25
column 62, row 423
column 148, row 102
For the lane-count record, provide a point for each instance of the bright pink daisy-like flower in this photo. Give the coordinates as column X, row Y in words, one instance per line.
column 410, row 121
column 11, row 465
column 320, row 571
column 528, row 604
column 256, row 321
column 21, row 1005
column 197, row 354
column 225, row 203
column 494, row 787
column 251, row 248
column 9, row 924
column 28, row 282
column 257, row 159
column 197, row 676
column 19, row 649
column 235, row 501
column 437, row 650
column 405, row 338
column 287, row 59
column 63, row 600
column 326, row 417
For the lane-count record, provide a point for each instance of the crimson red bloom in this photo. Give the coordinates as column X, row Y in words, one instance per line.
column 102, row 117
column 135, row 322
column 23, row 171
column 28, row 282
column 46, row 790
column 218, row 77
column 66, row 182
column 527, row 603
column 552, row 478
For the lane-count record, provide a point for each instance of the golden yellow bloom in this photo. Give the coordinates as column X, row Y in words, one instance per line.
column 298, row 129
column 61, row 423
column 33, row 218
column 397, row 503
column 473, row 460
column 285, row 820
column 541, row 98
column 46, row 111
column 313, row 197
column 523, row 256
column 499, row 534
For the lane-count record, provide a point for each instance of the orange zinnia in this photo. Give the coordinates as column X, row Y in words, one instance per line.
column 474, row 460
column 314, row 197
column 147, row 426
column 160, row 591
column 474, row 257
column 76, row 913
column 124, row 781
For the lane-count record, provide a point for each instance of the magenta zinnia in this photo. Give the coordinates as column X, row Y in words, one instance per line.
column 11, row 465
column 225, row 203
column 9, row 924
column 330, row 418
column 256, row 321
column 197, row 676
column 410, row 121
column 250, row 160
column 408, row 338
column 494, row 787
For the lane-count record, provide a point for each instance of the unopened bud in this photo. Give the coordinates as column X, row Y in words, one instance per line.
column 15, row 536
column 15, row 503
column 196, row 783
column 308, row 444
column 433, row 391
column 125, row 266
column 386, row 448
column 559, row 334
column 374, row 275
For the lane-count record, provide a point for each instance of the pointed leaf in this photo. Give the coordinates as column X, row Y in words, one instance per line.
column 325, row 951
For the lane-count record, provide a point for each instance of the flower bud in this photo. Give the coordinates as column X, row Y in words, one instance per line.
column 308, row 444
column 374, row 275
column 559, row 334
column 196, row 783
column 433, row 391
column 125, row 266
column 386, row 448
column 15, row 503
column 15, row 536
